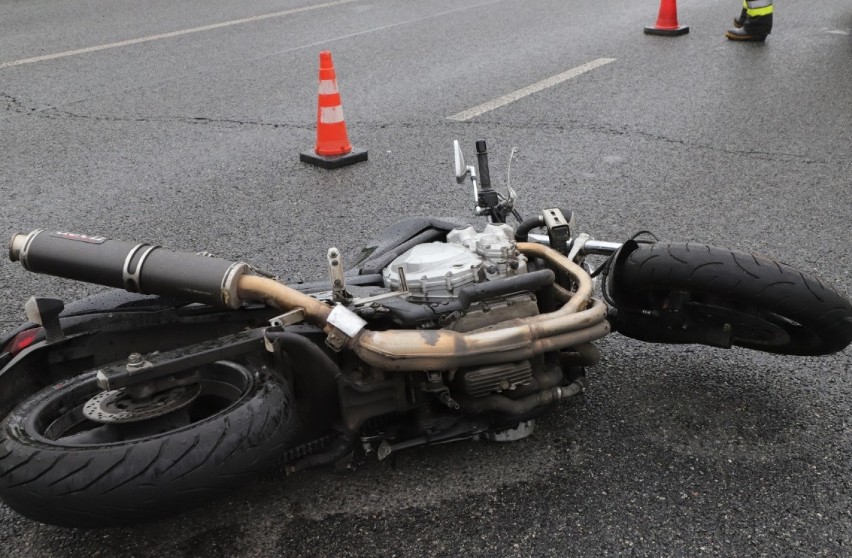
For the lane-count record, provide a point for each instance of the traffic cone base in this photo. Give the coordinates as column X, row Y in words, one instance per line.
column 680, row 30
column 333, row 162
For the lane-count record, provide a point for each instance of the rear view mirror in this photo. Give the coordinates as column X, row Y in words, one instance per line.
column 461, row 168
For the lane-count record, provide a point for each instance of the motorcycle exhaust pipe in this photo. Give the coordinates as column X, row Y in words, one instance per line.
column 138, row 268
column 149, row 269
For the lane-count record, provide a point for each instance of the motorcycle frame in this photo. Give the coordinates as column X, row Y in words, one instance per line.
column 127, row 323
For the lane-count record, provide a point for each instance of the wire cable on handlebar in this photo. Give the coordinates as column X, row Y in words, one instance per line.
column 608, row 261
column 604, row 269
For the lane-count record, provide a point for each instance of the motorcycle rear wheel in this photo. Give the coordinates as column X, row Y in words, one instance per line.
column 765, row 305
column 58, row 467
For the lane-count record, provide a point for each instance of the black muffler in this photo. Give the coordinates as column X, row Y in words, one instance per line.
column 138, row 268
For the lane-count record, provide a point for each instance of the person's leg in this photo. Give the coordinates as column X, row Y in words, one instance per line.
column 755, row 21
column 739, row 20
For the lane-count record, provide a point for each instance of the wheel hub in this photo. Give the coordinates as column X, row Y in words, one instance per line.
column 117, row 406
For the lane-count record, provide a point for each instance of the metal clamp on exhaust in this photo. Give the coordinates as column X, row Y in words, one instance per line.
column 347, row 324
column 129, row 275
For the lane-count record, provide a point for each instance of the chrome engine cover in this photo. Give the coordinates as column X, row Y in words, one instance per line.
column 435, row 271
column 496, row 246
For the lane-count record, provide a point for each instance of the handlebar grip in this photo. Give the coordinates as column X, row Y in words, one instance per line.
column 484, row 172
column 142, row 268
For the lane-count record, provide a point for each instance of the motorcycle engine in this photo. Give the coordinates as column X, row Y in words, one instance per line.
column 434, row 272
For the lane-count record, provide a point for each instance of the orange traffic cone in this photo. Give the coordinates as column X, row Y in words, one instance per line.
column 333, row 148
column 667, row 21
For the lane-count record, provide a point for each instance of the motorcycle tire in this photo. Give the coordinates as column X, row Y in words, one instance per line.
column 764, row 305
column 60, row 468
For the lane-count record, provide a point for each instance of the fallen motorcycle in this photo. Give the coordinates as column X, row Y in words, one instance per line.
column 197, row 373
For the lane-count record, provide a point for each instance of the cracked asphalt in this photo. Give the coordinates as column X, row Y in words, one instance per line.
column 192, row 142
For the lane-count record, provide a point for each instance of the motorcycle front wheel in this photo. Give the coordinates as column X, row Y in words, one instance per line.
column 733, row 297
column 58, row 466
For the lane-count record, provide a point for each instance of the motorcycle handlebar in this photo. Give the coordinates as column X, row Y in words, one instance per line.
column 591, row 247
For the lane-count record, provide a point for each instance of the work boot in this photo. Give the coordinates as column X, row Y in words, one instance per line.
column 743, row 35
column 738, row 21
column 753, row 29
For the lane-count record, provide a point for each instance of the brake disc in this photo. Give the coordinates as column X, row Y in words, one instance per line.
column 117, row 406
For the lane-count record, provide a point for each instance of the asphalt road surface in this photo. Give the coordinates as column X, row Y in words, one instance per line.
column 180, row 124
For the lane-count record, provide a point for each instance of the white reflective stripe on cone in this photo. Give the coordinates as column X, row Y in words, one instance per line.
column 331, row 115
column 328, row 86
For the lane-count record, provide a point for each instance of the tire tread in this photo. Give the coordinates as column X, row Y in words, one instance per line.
column 102, row 486
column 746, row 278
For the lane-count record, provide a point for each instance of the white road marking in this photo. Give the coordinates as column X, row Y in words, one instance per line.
column 172, row 34
column 382, row 28
column 529, row 90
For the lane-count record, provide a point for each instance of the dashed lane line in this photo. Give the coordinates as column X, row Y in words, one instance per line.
column 171, row 34
column 529, row 90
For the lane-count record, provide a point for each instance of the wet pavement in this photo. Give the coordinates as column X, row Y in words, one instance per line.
column 192, row 142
